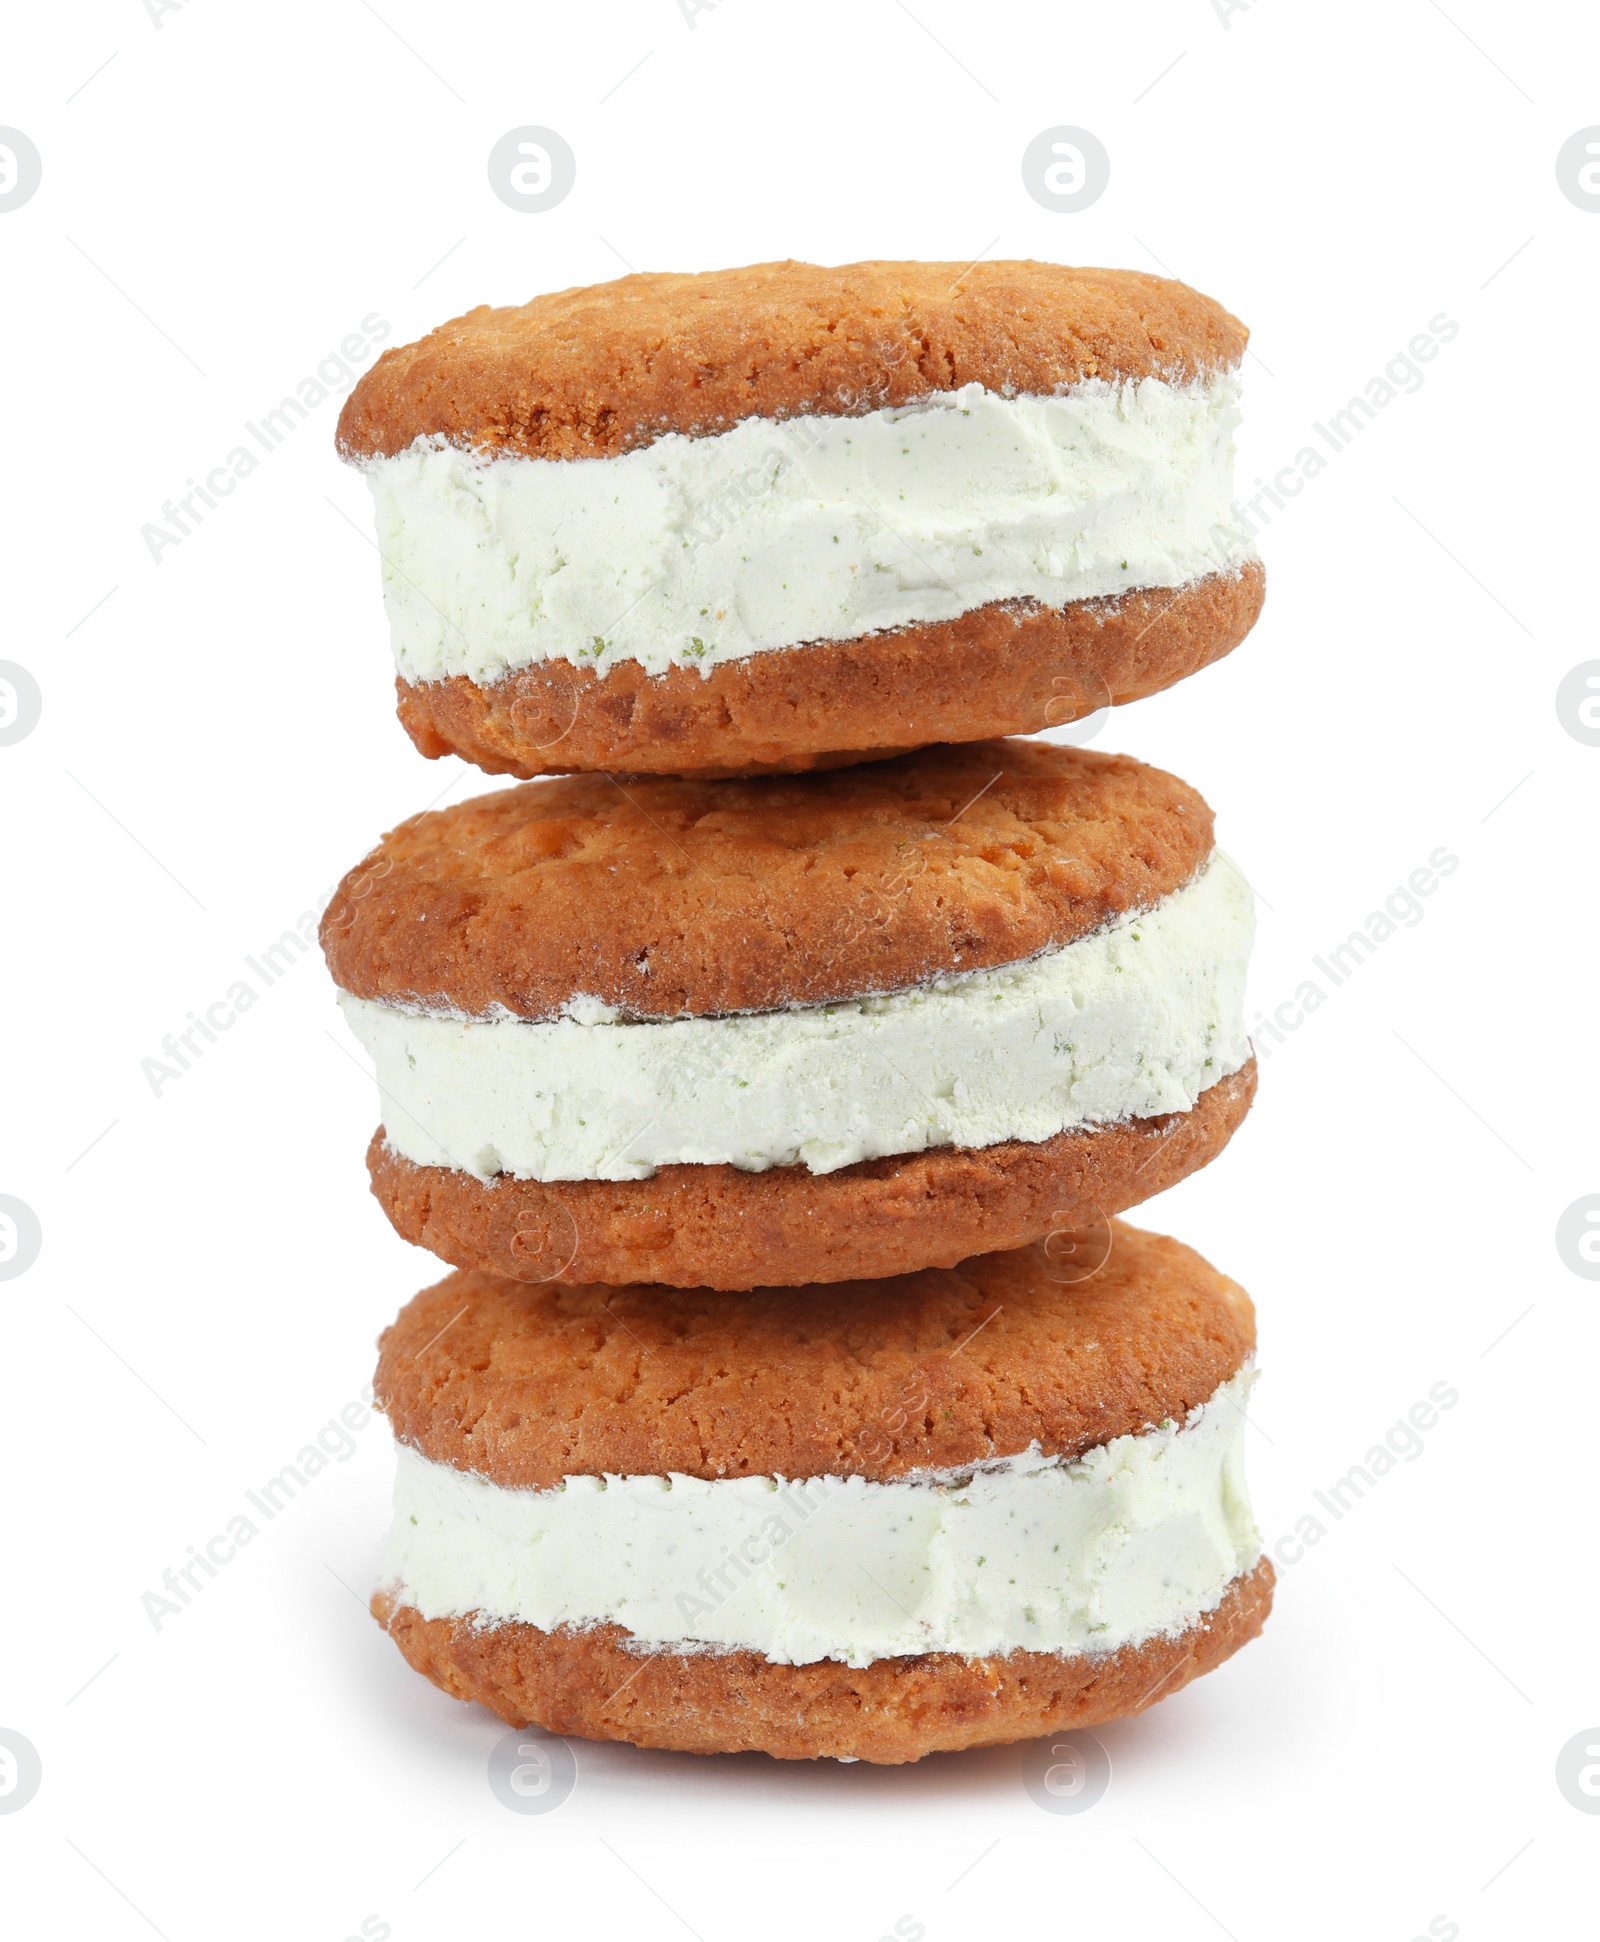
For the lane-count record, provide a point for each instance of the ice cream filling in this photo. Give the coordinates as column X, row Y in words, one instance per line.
column 690, row 552
column 1136, row 1539
column 1135, row 1020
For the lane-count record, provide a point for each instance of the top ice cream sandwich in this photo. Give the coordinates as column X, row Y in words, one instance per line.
column 789, row 517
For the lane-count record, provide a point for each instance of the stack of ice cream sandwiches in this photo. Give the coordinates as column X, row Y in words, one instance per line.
column 773, row 1062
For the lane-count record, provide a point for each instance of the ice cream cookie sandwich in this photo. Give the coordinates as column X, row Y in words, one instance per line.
column 805, row 1029
column 958, row 1508
column 783, row 517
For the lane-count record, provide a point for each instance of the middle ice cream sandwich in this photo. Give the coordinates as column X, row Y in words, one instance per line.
column 793, row 1030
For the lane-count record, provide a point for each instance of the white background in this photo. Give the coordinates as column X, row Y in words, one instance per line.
column 224, row 202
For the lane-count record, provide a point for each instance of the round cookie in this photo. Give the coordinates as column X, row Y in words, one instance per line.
column 602, row 369
column 962, row 1507
column 787, row 516
column 664, row 897
column 774, row 1031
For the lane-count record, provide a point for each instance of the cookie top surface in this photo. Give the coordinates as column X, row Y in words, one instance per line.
column 664, row 897
column 526, row 1384
column 599, row 370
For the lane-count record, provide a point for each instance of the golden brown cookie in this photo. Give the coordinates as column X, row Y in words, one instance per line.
column 992, row 1388
column 1043, row 569
column 527, row 1385
column 663, row 897
column 600, row 370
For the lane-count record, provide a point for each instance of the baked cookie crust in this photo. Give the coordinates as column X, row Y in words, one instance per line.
column 604, row 369
column 666, row 897
column 932, row 1371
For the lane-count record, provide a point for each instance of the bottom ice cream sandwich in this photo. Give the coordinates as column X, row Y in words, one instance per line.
column 962, row 1507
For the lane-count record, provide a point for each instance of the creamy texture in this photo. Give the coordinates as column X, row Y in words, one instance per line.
column 1137, row 1019
column 695, row 551
column 1138, row 1538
